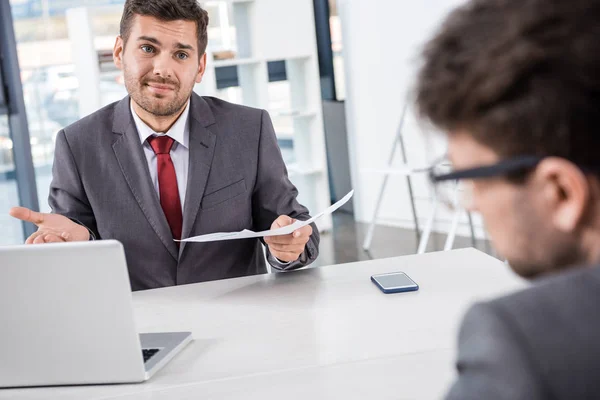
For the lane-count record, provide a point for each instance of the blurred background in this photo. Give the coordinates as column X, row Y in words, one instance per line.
column 335, row 75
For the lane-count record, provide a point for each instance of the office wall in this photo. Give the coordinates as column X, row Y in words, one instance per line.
column 382, row 40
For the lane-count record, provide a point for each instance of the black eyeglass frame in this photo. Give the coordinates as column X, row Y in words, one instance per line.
column 505, row 167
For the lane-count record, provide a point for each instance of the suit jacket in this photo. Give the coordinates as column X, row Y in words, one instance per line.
column 541, row 343
column 236, row 180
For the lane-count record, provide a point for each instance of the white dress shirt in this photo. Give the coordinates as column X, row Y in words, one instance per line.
column 180, row 152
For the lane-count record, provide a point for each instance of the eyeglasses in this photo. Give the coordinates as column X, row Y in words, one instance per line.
column 454, row 188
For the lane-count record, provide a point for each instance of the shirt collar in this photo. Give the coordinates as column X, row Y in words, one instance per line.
column 178, row 132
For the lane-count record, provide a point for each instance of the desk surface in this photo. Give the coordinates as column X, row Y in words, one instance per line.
column 317, row 333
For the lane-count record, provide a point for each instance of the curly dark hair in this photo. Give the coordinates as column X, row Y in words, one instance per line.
column 520, row 76
column 167, row 10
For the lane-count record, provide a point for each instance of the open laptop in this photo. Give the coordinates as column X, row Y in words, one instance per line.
column 66, row 318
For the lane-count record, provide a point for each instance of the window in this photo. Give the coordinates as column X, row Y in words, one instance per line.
column 50, row 84
column 11, row 232
column 3, row 104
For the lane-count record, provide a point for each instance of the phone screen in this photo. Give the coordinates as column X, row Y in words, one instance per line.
column 394, row 280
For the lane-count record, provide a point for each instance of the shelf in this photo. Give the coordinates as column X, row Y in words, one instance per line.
column 295, row 170
column 289, row 58
column 212, row 3
column 285, row 135
column 234, row 62
column 295, row 113
column 247, row 61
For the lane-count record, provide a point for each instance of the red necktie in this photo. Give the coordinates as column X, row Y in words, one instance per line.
column 167, row 183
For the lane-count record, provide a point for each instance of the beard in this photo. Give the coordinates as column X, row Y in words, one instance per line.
column 156, row 104
column 523, row 232
column 531, row 270
column 538, row 249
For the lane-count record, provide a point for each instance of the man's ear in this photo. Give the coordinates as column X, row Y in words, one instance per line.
column 201, row 68
column 118, row 51
column 566, row 192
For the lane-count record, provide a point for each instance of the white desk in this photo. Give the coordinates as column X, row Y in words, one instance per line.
column 320, row 333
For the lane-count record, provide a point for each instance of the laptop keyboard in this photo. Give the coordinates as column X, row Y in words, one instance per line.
column 148, row 353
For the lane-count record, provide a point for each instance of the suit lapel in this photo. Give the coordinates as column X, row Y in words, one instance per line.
column 132, row 160
column 202, row 147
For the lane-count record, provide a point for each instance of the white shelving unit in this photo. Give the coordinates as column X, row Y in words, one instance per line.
column 263, row 31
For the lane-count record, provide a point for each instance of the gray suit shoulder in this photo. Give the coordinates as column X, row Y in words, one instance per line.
column 558, row 286
column 559, row 298
column 237, row 119
column 237, row 123
column 221, row 107
column 538, row 343
column 491, row 362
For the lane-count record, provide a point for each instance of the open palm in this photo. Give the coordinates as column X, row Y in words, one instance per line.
column 51, row 227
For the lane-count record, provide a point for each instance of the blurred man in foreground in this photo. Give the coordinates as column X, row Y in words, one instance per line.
column 516, row 86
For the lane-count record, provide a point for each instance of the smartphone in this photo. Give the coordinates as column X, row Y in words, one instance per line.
column 395, row 282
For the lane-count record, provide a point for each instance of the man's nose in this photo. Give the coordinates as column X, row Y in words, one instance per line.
column 163, row 66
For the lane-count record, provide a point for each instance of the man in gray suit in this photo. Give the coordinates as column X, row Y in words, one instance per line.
column 516, row 86
column 165, row 164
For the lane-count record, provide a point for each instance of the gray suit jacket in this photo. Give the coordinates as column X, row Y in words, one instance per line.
column 237, row 180
column 541, row 343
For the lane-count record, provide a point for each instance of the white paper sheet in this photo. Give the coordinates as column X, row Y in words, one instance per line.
column 286, row 230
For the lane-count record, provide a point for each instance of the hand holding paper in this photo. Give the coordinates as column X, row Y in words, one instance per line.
column 286, row 230
column 288, row 248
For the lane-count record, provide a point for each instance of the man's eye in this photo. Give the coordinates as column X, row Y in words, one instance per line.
column 182, row 56
column 147, row 49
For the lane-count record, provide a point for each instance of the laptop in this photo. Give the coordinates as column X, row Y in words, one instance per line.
column 66, row 318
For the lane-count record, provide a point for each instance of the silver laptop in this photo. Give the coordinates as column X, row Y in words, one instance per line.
column 66, row 318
